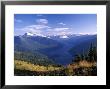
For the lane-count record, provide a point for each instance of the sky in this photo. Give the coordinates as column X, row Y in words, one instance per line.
column 55, row 24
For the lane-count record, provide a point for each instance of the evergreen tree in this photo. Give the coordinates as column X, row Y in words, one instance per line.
column 82, row 57
column 90, row 54
column 77, row 58
column 94, row 54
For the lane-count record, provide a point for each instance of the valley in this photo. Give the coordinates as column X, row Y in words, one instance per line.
column 39, row 55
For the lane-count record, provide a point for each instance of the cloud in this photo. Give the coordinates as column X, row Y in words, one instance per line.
column 60, row 29
column 46, row 30
column 36, row 28
column 18, row 20
column 61, row 23
column 42, row 27
column 42, row 21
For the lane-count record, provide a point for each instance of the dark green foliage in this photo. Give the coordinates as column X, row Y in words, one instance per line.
column 83, row 47
column 35, row 58
column 94, row 53
column 91, row 55
column 77, row 58
column 82, row 57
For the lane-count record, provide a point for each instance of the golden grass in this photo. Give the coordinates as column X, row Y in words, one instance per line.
column 23, row 65
column 80, row 64
column 85, row 63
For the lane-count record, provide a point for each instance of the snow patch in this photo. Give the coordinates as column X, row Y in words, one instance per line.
column 63, row 36
column 29, row 34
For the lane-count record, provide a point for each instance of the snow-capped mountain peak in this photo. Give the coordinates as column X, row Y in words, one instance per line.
column 33, row 34
column 64, row 36
column 29, row 34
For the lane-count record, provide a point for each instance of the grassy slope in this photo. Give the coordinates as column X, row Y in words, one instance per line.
column 81, row 68
column 23, row 65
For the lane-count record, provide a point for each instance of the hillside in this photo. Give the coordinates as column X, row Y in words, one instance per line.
column 82, row 65
column 81, row 68
column 33, row 44
column 54, row 48
column 83, row 47
column 27, row 68
column 35, row 58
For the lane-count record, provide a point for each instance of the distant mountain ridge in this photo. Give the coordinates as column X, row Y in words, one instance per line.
column 60, row 48
column 57, row 35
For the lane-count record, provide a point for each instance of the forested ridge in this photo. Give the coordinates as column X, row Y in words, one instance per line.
column 84, row 64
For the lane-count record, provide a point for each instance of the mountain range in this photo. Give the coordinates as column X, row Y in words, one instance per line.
column 59, row 49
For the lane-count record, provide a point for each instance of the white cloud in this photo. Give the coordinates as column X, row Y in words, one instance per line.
column 43, row 28
column 42, row 21
column 36, row 28
column 60, row 29
column 46, row 30
column 18, row 21
column 61, row 23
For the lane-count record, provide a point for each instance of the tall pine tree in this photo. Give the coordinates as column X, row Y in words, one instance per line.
column 90, row 54
column 94, row 53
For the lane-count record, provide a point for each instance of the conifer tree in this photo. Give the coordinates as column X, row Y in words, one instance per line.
column 77, row 58
column 82, row 57
column 90, row 54
column 94, row 53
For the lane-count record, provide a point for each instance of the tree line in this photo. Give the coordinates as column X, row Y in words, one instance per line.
column 90, row 56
